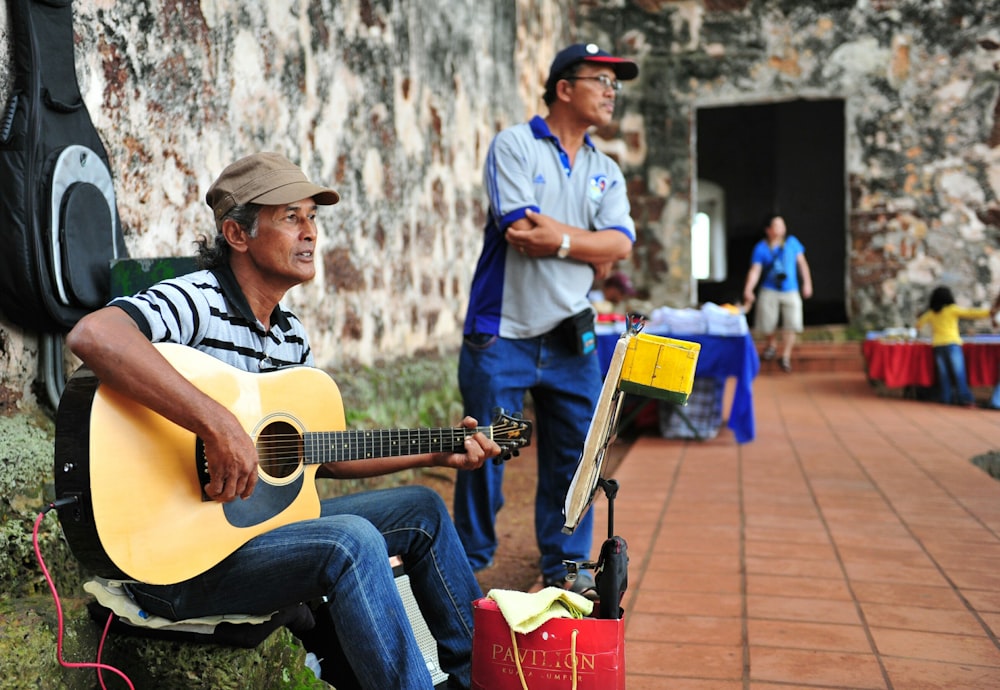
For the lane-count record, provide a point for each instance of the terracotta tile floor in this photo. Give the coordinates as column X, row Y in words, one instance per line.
column 852, row 545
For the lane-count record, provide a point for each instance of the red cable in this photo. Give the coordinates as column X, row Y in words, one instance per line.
column 100, row 648
column 59, row 640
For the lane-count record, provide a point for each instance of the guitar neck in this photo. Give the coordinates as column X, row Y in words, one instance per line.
column 339, row 446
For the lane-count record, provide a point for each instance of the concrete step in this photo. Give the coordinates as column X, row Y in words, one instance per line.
column 820, row 356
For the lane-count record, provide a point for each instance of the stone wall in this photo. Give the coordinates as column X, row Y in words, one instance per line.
column 393, row 104
column 920, row 81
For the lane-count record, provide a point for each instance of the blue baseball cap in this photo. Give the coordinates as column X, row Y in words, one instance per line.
column 589, row 52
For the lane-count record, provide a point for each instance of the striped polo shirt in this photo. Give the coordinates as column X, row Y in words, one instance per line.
column 208, row 311
column 527, row 168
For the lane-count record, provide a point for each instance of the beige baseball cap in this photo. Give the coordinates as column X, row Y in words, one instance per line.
column 264, row 178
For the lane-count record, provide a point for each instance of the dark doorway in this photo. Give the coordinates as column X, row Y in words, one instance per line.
column 785, row 158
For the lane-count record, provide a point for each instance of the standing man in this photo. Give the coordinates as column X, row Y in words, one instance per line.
column 558, row 215
column 781, row 260
column 265, row 243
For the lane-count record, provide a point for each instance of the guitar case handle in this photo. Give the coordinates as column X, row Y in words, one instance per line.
column 59, row 106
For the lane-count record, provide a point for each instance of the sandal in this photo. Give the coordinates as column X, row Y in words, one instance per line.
column 786, row 365
column 769, row 354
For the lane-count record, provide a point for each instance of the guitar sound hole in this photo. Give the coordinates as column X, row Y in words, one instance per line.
column 279, row 448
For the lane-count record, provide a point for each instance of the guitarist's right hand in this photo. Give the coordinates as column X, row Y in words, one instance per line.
column 232, row 462
column 111, row 344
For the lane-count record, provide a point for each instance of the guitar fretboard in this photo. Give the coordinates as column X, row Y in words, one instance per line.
column 338, row 446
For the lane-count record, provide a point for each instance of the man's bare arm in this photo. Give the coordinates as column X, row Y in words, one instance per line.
column 541, row 235
column 110, row 343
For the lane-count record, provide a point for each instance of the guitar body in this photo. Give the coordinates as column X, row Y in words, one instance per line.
column 139, row 477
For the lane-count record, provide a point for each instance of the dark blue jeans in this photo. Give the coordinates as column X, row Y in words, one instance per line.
column 950, row 362
column 564, row 387
column 344, row 555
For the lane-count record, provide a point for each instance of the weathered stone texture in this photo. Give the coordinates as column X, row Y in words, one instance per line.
column 393, row 105
column 921, row 83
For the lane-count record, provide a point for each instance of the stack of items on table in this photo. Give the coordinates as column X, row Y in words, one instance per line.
column 711, row 319
column 894, row 335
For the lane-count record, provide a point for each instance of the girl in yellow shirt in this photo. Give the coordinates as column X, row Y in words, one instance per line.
column 946, row 341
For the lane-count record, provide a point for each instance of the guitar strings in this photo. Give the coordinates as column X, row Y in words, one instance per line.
column 287, row 449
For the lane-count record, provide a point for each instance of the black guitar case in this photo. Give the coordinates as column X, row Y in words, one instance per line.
column 59, row 224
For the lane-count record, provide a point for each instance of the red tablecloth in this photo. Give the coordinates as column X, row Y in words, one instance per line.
column 899, row 364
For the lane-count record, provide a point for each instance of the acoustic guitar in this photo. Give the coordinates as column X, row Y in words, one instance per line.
column 141, row 512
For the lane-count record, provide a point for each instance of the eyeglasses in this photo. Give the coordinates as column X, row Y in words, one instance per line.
column 605, row 82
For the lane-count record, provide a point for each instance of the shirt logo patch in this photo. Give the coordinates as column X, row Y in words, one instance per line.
column 539, row 178
column 598, row 185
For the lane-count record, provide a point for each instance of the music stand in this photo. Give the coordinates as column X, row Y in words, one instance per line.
column 647, row 365
column 601, row 434
column 611, row 569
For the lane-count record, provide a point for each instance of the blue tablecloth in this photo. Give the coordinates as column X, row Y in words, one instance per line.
column 720, row 357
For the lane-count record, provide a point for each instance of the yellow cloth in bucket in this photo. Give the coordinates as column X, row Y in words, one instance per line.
column 525, row 611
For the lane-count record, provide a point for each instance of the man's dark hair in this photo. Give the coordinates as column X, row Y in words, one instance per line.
column 550, row 93
column 215, row 253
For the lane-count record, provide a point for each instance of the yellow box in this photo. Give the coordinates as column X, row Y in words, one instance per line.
column 658, row 367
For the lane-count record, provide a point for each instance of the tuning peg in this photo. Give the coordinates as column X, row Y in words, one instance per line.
column 505, row 456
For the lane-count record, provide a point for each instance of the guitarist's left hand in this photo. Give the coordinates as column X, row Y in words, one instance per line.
column 478, row 449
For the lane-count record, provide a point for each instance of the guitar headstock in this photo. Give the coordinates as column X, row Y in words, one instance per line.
column 511, row 433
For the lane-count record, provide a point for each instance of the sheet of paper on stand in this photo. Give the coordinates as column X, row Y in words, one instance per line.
column 600, row 434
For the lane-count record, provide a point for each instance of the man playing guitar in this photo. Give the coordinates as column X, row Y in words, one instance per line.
column 265, row 213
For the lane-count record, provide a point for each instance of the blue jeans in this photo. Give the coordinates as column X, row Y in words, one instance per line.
column 344, row 555
column 564, row 387
column 950, row 362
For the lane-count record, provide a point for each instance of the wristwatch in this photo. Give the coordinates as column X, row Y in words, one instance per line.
column 563, row 248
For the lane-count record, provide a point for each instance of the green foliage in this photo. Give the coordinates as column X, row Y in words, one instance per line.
column 278, row 662
column 28, row 655
column 402, row 394
column 25, row 457
column 421, row 392
column 26, row 451
column 418, row 392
